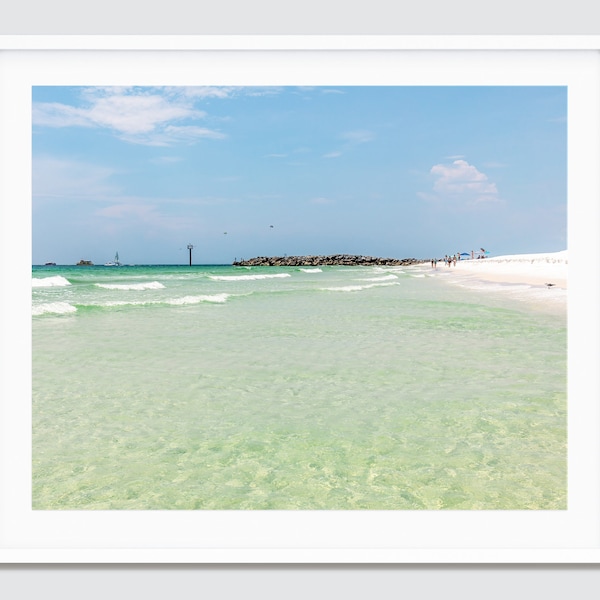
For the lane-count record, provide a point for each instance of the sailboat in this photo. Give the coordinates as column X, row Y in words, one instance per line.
column 113, row 263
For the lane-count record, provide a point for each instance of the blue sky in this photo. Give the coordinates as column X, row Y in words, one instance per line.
column 255, row 171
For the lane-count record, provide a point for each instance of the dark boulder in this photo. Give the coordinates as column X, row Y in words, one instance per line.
column 333, row 259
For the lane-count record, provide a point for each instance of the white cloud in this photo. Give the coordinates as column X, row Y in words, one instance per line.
column 204, row 91
column 462, row 181
column 137, row 114
column 53, row 114
column 173, row 134
column 141, row 117
column 332, row 154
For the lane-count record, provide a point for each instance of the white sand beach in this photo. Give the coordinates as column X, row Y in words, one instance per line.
column 532, row 269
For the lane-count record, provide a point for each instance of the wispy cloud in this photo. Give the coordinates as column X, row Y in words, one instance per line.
column 172, row 135
column 147, row 116
column 222, row 92
column 461, row 183
column 351, row 139
column 203, row 91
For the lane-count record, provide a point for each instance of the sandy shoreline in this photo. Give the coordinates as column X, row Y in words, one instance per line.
column 531, row 269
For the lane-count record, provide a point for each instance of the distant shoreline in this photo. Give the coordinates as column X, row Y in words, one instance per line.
column 320, row 260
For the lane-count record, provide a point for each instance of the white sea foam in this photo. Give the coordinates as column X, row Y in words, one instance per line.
column 151, row 285
column 56, row 281
column 247, row 277
column 317, row 270
column 358, row 288
column 59, row 308
column 214, row 298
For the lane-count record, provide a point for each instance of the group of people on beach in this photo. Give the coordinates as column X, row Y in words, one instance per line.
column 448, row 260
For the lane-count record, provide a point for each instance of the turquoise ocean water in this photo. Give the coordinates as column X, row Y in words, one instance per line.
column 219, row 387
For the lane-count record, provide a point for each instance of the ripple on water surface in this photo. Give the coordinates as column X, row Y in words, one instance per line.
column 407, row 396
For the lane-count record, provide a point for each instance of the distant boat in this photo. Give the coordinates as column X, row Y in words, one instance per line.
column 50, row 264
column 113, row 263
column 85, row 263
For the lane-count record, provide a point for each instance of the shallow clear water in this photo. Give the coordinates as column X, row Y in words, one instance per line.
column 281, row 388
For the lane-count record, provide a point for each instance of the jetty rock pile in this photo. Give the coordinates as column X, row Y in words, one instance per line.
column 333, row 259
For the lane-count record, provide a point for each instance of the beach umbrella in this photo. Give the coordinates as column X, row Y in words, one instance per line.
column 465, row 254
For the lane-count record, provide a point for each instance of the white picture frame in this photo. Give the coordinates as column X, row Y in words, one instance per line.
column 571, row 536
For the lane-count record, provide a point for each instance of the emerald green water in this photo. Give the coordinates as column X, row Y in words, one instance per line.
column 332, row 389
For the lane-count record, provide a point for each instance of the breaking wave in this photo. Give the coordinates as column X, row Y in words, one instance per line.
column 57, row 308
column 56, row 281
column 213, row 298
column 152, row 285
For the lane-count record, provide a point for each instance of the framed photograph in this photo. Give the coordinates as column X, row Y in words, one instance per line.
column 291, row 299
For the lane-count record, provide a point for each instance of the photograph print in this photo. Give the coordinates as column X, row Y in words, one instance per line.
column 299, row 298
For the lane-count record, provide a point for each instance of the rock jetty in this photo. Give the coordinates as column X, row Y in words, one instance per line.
column 332, row 259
